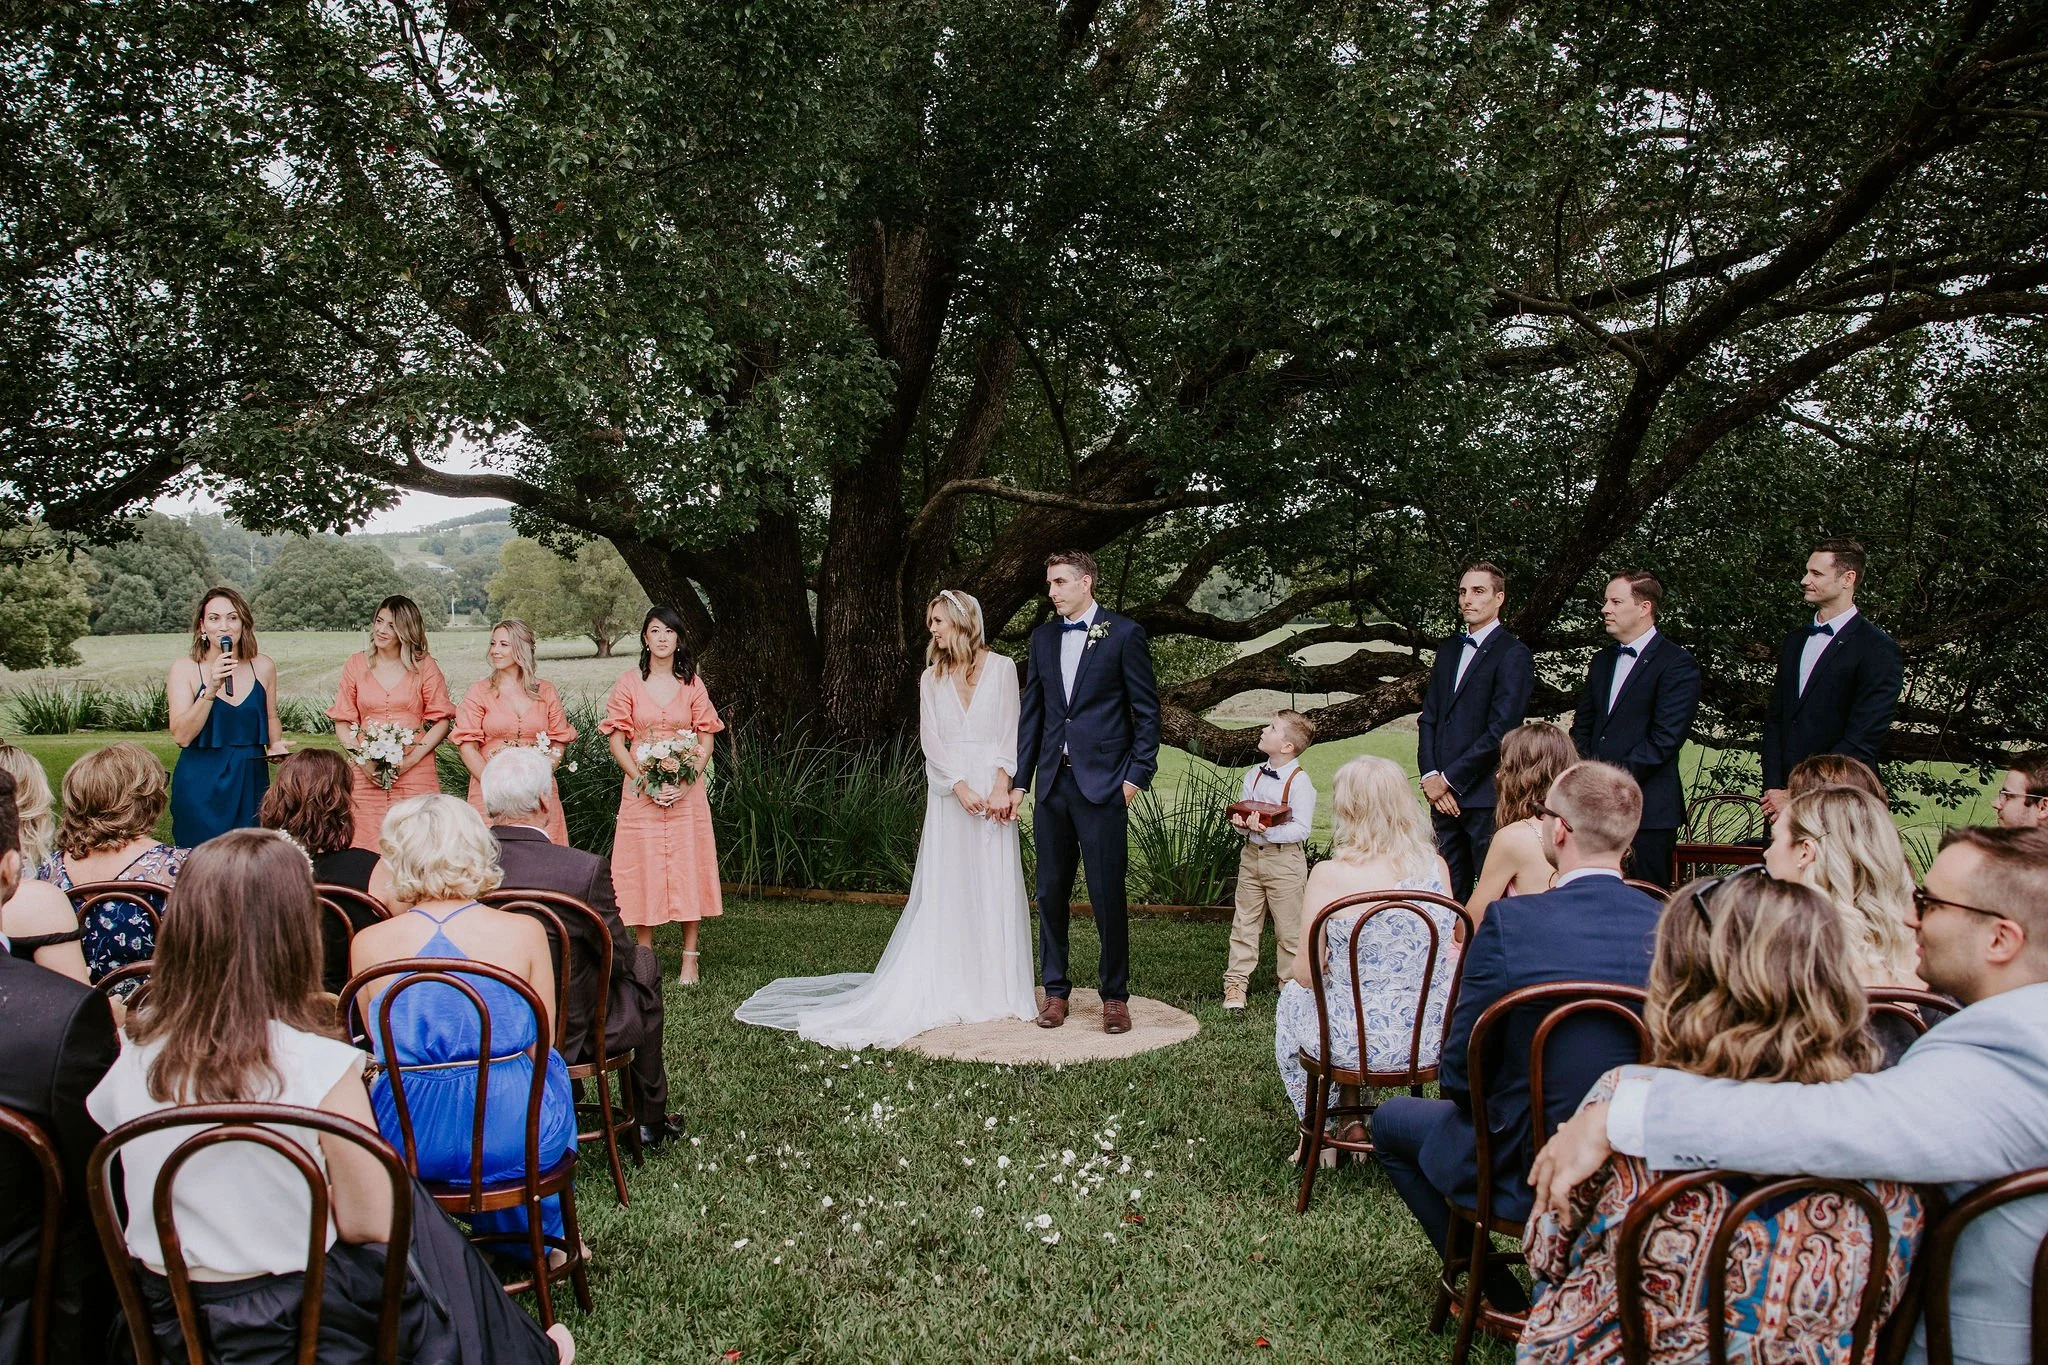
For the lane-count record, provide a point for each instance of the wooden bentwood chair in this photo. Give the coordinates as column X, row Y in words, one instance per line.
column 469, row 1198
column 229, row 1123
column 1469, row 1247
column 24, row 1130
column 1322, row 1074
column 344, row 912
column 611, row 1115
column 1719, row 835
column 87, row 897
column 1770, row 1192
column 1934, row 1270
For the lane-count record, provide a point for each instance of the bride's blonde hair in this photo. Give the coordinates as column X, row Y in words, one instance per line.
column 965, row 614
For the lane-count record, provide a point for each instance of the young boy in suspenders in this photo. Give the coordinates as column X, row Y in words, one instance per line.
column 1273, row 869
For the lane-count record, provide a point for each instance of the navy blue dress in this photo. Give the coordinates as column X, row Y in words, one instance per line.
column 221, row 775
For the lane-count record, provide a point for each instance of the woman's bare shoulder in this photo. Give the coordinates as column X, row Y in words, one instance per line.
column 38, row 908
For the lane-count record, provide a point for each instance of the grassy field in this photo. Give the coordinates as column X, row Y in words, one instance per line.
column 883, row 1207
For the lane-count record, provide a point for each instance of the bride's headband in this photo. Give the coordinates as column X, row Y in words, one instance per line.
column 965, row 604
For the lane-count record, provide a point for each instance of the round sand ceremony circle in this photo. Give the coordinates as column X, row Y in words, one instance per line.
column 1019, row 1042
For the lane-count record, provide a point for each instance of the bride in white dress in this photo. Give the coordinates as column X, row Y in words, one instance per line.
column 961, row 952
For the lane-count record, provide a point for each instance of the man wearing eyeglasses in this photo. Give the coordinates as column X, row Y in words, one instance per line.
column 2022, row 799
column 1966, row 1104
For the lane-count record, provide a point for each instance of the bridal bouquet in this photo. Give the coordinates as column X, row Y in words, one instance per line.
column 669, row 763
column 381, row 748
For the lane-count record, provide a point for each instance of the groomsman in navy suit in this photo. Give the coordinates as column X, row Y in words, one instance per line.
column 1838, row 679
column 1088, row 735
column 1478, row 691
column 1636, row 709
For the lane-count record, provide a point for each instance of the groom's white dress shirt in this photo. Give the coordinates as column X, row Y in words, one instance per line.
column 1966, row 1104
column 1073, row 643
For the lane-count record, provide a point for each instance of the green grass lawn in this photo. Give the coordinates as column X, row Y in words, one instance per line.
column 828, row 1207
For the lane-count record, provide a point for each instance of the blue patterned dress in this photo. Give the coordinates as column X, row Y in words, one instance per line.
column 117, row 932
column 1391, row 956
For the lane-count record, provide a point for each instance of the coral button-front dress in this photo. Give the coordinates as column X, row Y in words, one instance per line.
column 664, row 861
column 488, row 720
column 419, row 702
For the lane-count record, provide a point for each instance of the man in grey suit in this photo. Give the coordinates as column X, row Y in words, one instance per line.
column 1966, row 1104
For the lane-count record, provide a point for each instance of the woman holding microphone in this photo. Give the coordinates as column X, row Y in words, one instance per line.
column 223, row 701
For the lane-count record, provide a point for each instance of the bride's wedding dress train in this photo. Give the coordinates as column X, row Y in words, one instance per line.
column 961, row 952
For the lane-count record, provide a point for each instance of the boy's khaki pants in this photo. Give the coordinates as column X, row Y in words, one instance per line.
column 1270, row 881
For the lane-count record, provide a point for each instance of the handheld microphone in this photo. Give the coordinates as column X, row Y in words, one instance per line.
column 227, row 644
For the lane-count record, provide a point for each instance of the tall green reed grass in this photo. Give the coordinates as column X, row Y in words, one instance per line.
column 1183, row 848
column 86, row 706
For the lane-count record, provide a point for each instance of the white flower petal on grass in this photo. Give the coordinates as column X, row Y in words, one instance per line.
column 740, row 1245
column 856, row 1227
column 826, row 1202
column 989, row 1122
column 1136, row 1195
column 1051, row 1239
column 1002, row 1163
column 1044, row 1220
column 977, row 1212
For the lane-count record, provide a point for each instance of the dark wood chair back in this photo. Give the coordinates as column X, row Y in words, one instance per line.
column 343, row 911
column 1561, row 1001
column 86, row 897
column 111, row 985
column 1938, row 1255
column 1772, row 1191
column 24, row 1130
column 228, row 1123
column 1378, row 905
column 1690, row 860
column 415, row 972
column 1725, row 818
column 1917, row 1010
column 556, row 910
column 1647, row 888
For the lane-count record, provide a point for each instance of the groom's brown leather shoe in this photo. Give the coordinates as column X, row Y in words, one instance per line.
column 1116, row 1017
column 1054, row 1012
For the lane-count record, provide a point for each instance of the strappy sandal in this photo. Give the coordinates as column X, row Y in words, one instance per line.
column 689, row 955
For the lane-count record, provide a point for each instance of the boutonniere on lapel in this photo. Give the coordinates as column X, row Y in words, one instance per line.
column 1098, row 631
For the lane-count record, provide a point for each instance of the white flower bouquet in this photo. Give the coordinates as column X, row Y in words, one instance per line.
column 381, row 749
column 666, row 764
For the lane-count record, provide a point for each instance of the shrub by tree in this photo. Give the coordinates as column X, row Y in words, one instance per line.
column 811, row 309
column 151, row 579
column 322, row 584
column 44, row 607
column 588, row 592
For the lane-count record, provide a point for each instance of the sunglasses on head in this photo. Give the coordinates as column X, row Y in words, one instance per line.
column 1702, row 890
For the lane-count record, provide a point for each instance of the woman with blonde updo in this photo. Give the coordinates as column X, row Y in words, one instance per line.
column 1381, row 841
column 513, row 706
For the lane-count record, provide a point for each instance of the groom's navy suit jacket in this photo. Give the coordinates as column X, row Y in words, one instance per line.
column 1459, row 731
column 1109, row 728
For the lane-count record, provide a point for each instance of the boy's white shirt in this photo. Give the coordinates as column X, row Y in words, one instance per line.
column 1301, row 801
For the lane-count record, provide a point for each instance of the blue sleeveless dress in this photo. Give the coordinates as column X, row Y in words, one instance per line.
column 221, row 775
column 434, row 1025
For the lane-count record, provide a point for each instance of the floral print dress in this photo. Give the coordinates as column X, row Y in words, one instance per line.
column 118, row 932
column 1392, row 955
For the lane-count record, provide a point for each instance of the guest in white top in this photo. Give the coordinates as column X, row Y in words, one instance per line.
column 234, row 1013
column 1273, row 869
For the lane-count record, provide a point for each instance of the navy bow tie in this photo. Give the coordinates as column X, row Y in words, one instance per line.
column 1468, row 640
column 1629, row 650
column 1264, row 771
column 1073, row 625
column 1820, row 630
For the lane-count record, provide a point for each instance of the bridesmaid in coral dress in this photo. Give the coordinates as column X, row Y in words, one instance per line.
column 512, row 706
column 394, row 681
column 664, row 861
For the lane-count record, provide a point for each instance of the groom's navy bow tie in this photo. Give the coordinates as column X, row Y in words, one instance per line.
column 1264, row 771
column 1629, row 650
column 1073, row 625
column 1820, row 630
column 1468, row 640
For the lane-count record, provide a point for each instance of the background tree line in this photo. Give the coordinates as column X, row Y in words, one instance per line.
column 809, row 309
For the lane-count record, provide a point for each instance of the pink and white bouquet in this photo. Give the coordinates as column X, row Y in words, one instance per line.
column 380, row 747
column 666, row 764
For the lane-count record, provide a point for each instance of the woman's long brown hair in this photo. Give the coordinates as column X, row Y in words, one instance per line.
column 1757, row 983
column 1531, row 757
column 238, row 949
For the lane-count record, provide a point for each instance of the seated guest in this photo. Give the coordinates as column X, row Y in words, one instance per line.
column 56, row 1041
column 1589, row 927
column 237, row 1016
column 2022, row 799
column 440, row 858
column 519, row 797
column 1841, row 842
column 1531, row 757
column 1751, row 982
column 309, row 800
column 1383, row 842
column 37, row 920
column 113, row 798
column 1966, row 1104
column 1835, row 770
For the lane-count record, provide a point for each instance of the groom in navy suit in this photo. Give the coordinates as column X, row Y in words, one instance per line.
column 1088, row 735
column 1640, row 697
column 1478, row 691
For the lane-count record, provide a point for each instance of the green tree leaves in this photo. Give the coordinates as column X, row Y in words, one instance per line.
column 589, row 592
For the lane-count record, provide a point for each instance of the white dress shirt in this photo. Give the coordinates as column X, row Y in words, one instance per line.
column 1816, row 645
column 1301, row 801
column 1578, row 873
column 1467, row 653
column 1625, row 664
column 1073, row 643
